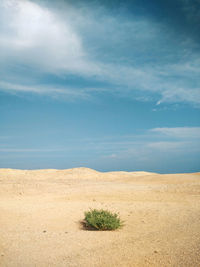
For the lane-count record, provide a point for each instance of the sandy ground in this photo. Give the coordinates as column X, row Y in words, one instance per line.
column 41, row 210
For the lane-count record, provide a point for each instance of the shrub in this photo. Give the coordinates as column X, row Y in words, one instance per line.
column 102, row 220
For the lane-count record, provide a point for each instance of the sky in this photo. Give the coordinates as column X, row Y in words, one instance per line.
column 109, row 85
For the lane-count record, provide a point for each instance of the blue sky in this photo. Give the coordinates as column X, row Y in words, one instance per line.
column 110, row 85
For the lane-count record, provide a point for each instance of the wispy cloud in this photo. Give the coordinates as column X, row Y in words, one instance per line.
column 179, row 132
column 28, row 150
column 154, row 149
column 100, row 47
column 65, row 92
column 173, row 141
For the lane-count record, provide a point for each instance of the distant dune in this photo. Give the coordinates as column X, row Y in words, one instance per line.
column 80, row 170
column 41, row 211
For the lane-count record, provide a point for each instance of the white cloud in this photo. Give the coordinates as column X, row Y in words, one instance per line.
column 166, row 145
column 178, row 141
column 159, row 148
column 66, row 92
column 27, row 150
column 51, row 42
column 34, row 35
column 175, row 94
column 179, row 132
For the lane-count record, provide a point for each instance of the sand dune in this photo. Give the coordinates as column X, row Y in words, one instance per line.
column 41, row 210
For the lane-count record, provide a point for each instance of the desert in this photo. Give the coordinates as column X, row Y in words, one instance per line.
column 41, row 213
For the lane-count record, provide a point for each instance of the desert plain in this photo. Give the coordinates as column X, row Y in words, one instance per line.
column 41, row 213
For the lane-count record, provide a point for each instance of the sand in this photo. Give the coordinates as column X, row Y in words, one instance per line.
column 41, row 211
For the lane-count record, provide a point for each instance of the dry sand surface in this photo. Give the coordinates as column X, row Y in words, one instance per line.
column 41, row 210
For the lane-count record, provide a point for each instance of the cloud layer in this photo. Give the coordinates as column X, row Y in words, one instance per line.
column 134, row 56
column 159, row 149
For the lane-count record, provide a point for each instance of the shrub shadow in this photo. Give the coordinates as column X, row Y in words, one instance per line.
column 84, row 226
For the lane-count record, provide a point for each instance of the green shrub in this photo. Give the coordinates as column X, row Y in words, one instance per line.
column 102, row 220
